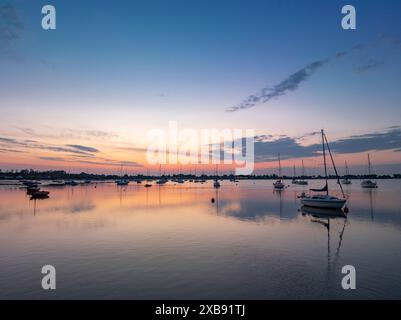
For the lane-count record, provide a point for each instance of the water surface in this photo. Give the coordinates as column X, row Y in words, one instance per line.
column 172, row 242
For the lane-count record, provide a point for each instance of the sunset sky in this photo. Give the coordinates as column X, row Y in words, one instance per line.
column 84, row 96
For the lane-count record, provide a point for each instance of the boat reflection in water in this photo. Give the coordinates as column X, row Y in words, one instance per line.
column 323, row 213
column 323, row 216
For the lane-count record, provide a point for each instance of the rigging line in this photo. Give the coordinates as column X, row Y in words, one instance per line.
column 325, row 167
column 334, row 166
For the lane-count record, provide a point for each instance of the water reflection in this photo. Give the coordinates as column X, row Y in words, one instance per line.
column 174, row 241
column 323, row 217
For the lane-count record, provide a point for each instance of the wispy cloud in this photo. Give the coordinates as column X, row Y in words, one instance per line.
column 387, row 140
column 7, row 140
column 83, row 148
column 101, row 162
column 52, row 133
column 34, row 145
column 71, row 153
column 371, row 64
column 267, row 147
column 293, row 82
column 10, row 150
column 289, row 84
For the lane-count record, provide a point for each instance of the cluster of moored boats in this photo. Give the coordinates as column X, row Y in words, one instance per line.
column 33, row 188
column 322, row 198
column 34, row 191
column 163, row 181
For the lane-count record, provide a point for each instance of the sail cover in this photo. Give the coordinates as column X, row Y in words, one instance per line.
column 325, row 188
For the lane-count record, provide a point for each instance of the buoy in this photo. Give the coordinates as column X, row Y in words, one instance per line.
column 212, row 200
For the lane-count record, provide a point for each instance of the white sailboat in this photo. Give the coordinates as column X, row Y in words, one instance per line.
column 346, row 180
column 294, row 179
column 324, row 200
column 303, row 182
column 369, row 184
column 279, row 185
column 122, row 181
column 162, row 180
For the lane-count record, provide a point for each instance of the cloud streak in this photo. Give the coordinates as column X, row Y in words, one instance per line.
column 293, row 82
column 371, row 64
column 83, row 148
column 33, row 145
column 101, row 162
column 289, row 84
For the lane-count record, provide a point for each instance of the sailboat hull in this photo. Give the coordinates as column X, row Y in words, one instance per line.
column 327, row 203
column 369, row 185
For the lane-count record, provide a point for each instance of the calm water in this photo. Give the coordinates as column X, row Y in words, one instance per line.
column 172, row 242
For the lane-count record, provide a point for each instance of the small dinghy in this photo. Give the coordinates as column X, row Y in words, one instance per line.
column 31, row 190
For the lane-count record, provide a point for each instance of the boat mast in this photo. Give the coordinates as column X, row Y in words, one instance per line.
column 279, row 166
column 303, row 169
column 369, row 166
column 334, row 166
column 325, row 165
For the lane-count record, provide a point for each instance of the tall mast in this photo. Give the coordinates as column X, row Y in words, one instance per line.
column 294, row 172
column 279, row 166
column 325, row 165
column 346, row 168
column 303, row 169
column 334, row 166
column 369, row 165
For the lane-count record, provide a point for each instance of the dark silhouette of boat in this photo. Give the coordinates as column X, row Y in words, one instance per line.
column 40, row 195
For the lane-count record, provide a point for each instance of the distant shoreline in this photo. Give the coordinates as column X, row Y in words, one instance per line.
column 62, row 175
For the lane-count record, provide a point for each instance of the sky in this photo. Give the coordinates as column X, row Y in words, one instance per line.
column 83, row 97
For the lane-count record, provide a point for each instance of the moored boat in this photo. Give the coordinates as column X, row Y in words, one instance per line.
column 40, row 195
column 369, row 184
column 325, row 201
column 346, row 180
column 279, row 185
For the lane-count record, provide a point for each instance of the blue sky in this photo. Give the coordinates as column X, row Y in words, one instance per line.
column 126, row 66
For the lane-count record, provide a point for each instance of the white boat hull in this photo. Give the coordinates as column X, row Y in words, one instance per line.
column 323, row 203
